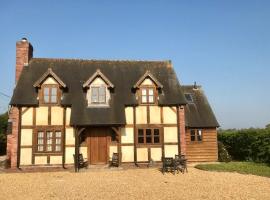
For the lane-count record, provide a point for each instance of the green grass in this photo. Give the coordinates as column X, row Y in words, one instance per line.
column 258, row 169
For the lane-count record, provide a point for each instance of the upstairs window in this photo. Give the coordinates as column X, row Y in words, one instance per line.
column 148, row 95
column 196, row 135
column 50, row 94
column 98, row 94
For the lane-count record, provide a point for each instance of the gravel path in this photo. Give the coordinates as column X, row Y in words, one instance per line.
column 133, row 184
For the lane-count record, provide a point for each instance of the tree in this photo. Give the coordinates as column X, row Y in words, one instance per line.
column 267, row 126
column 3, row 137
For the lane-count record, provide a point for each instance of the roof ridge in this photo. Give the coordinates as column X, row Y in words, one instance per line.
column 101, row 60
column 200, row 86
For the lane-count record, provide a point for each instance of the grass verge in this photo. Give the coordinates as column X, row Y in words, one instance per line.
column 259, row 169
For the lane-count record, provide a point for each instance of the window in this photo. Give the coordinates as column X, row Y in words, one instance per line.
column 196, row 135
column 148, row 136
column 141, row 136
column 188, row 97
column 147, row 95
column 98, row 95
column 50, row 94
column 49, row 141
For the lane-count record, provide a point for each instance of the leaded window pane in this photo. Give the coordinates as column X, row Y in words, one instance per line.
column 199, row 135
column 143, row 91
column 46, row 91
column 156, row 135
column 140, row 136
column 40, row 134
column 53, row 99
column 49, row 147
column 94, row 95
column 150, row 91
column 46, row 99
column 144, row 99
column 58, row 141
column 57, row 148
column 40, row 140
column 148, row 136
column 49, row 141
column 192, row 135
column 53, row 91
column 102, row 91
column 151, row 99
column 40, row 148
column 58, row 134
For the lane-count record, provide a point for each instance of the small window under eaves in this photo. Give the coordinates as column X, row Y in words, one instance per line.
column 189, row 97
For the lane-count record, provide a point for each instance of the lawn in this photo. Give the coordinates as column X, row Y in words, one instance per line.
column 240, row 167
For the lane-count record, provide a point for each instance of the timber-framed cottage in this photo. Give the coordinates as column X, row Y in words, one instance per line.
column 63, row 107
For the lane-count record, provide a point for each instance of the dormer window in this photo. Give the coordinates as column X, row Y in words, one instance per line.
column 98, row 90
column 147, row 89
column 49, row 85
column 98, row 94
column 148, row 95
column 50, row 94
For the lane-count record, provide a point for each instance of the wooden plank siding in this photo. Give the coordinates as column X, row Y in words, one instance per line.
column 205, row 150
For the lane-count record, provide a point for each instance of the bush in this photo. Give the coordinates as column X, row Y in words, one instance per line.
column 247, row 144
column 223, row 155
column 3, row 138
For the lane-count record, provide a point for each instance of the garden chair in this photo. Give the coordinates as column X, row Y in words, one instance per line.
column 115, row 160
column 181, row 163
column 168, row 165
column 81, row 162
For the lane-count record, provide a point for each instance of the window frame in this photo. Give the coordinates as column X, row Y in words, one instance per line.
column 89, row 98
column 89, row 93
column 45, row 141
column 144, row 136
column 196, row 135
column 147, row 88
column 42, row 96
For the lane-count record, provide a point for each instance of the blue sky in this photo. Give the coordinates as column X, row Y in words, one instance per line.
column 223, row 45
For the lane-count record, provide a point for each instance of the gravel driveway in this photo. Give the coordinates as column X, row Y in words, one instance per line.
column 133, row 184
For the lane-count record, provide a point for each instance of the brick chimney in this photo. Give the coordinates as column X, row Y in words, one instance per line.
column 24, row 52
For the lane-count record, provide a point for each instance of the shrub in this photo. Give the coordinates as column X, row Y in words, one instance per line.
column 247, row 144
column 3, row 126
column 223, row 155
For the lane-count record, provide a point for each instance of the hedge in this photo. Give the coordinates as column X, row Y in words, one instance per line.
column 3, row 138
column 247, row 144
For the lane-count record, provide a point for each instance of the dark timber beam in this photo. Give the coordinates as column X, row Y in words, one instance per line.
column 134, row 133
column 76, row 150
column 178, row 130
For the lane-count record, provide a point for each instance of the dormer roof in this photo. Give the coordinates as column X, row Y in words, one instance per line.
column 148, row 74
column 49, row 73
column 98, row 73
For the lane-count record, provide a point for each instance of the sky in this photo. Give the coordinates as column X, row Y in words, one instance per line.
column 222, row 45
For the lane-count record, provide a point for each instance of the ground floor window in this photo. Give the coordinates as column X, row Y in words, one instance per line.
column 148, row 135
column 49, row 141
column 196, row 135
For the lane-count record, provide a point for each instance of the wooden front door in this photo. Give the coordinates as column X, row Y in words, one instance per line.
column 98, row 145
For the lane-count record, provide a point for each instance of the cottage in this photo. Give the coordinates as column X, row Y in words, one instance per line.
column 63, row 107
